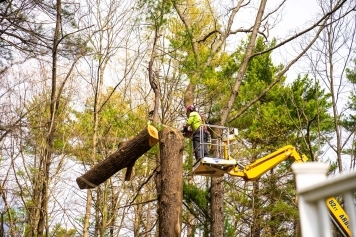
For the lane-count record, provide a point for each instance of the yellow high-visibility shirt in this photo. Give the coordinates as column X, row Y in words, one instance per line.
column 194, row 120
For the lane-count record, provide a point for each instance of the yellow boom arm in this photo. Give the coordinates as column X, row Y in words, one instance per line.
column 261, row 166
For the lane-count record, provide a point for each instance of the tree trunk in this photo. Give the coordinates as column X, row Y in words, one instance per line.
column 256, row 221
column 191, row 220
column 217, row 206
column 128, row 153
column 43, row 225
column 170, row 201
column 87, row 214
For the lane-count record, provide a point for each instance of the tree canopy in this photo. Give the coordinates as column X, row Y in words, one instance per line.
column 80, row 78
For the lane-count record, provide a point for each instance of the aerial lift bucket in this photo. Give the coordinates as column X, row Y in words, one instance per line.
column 222, row 163
column 208, row 166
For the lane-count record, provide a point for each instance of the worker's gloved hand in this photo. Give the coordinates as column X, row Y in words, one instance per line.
column 186, row 131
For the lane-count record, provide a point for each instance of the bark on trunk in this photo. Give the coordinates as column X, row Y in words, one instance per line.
column 217, row 206
column 256, row 221
column 124, row 157
column 170, row 201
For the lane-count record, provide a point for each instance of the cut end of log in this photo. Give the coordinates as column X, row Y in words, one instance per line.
column 85, row 184
column 153, row 135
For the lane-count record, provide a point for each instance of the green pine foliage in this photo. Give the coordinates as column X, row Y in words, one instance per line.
column 350, row 122
column 197, row 200
column 59, row 231
column 309, row 107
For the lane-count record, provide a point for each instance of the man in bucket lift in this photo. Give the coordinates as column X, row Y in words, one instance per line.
column 194, row 122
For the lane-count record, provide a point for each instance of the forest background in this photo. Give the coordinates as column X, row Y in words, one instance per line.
column 78, row 78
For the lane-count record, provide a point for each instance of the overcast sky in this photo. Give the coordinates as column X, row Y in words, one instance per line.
column 296, row 16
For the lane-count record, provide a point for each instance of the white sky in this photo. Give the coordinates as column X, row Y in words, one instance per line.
column 296, row 16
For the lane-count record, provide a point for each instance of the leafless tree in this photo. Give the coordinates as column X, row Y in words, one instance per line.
column 328, row 59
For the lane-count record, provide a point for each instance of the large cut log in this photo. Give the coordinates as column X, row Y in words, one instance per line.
column 125, row 156
column 171, row 144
